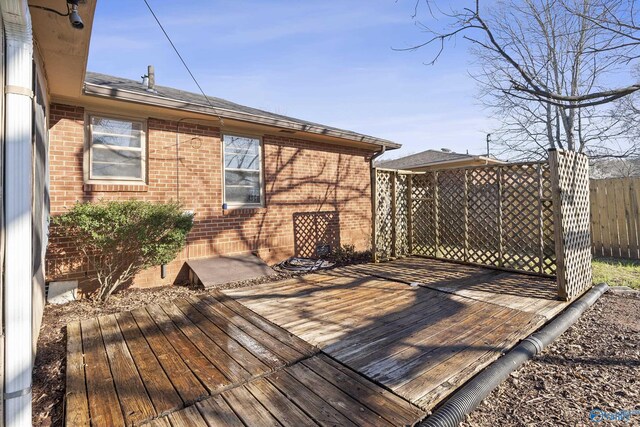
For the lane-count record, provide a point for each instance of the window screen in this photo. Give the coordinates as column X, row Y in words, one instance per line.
column 242, row 175
column 117, row 149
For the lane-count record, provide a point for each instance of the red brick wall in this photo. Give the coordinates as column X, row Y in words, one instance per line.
column 301, row 178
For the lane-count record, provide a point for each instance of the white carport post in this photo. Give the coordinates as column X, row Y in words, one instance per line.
column 18, row 273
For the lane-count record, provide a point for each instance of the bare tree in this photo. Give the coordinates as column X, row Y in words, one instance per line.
column 550, row 70
column 615, row 168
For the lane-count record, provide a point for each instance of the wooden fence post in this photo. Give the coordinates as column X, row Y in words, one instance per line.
column 570, row 192
column 466, row 216
column 374, row 214
column 436, row 213
column 635, row 217
column 394, row 211
column 541, row 223
column 500, row 241
column 410, row 213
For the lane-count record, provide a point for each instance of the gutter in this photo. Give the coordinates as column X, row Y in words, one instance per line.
column 92, row 89
column 18, row 274
column 465, row 400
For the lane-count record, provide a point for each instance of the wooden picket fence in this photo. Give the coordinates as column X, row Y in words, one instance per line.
column 615, row 217
column 525, row 217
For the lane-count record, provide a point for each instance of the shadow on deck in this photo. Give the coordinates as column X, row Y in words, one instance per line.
column 391, row 351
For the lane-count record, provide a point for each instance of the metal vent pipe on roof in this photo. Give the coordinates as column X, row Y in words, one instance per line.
column 151, row 74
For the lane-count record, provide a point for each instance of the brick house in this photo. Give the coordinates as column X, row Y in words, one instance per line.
column 256, row 181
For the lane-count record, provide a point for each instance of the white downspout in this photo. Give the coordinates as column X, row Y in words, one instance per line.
column 18, row 204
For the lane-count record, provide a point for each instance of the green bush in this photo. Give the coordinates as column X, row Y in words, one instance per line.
column 347, row 254
column 121, row 238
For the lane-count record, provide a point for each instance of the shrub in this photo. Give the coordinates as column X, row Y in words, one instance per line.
column 347, row 254
column 121, row 238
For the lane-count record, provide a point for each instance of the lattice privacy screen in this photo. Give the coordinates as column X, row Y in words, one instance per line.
column 495, row 215
column 490, row 215
column 383, row 227
column 573, row 236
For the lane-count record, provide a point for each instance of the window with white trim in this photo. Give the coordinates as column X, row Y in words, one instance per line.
column 242, row 170
column 116, row 149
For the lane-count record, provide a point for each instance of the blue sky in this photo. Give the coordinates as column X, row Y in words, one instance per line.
column 330, row 62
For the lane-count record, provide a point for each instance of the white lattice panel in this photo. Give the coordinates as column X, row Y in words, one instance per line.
column 570, row 176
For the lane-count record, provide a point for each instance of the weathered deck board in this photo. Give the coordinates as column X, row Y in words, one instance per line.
column 249, row 409
column 275, row 331
column 162, row 393
column 243, row 348
column 533, row 294
column 310, row 402
column 183, row 379
column 216, row 311
column 284, row 410
column 104, row 405
column 133, row 397
column 217, row 412
column 254, row 360
column 184, row 339
column 420, row 341
column 134, row 367
column 76, row 396
column 187, row 417
column 396, row 410
column 316, row 391
column 433, row 384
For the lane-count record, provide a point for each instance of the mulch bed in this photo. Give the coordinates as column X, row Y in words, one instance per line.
column 594, row 365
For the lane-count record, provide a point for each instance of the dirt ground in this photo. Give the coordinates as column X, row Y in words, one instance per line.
column 595, row 365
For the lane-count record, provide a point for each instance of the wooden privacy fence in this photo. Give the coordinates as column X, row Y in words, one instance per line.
column 615, row 217
column 500, row 216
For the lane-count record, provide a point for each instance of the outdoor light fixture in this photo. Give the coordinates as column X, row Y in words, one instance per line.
column 72, row 13
column 74, row 17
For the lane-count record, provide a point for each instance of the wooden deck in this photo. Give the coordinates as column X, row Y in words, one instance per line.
column 421, row 341
column 375, row 344
column 316, row 391
column 211, row 361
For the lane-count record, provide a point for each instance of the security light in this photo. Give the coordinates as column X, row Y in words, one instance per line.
column 74, row 17
column 72, row 13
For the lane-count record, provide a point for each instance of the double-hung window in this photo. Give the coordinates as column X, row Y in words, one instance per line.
column 116, row 149
column 242, row 171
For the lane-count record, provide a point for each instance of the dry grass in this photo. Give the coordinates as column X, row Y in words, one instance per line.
column 617, row 272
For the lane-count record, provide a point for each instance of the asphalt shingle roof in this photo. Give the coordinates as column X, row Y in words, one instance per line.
column 423, row 159
column 219, row 106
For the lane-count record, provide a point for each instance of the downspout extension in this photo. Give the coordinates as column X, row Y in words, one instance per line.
column 454, row 410
column 373, row 201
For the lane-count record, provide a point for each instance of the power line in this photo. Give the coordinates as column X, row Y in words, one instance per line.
column 48, row 9
column 175, row 49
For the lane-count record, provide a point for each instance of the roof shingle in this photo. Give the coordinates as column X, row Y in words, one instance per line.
column 423, row 158
column 221, row 107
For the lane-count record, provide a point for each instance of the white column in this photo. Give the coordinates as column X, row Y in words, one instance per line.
column 17, row 205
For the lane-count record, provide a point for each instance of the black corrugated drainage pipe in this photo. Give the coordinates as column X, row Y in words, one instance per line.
column 453, row 411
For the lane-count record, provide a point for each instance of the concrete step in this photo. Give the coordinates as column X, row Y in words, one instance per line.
column 217, row 271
